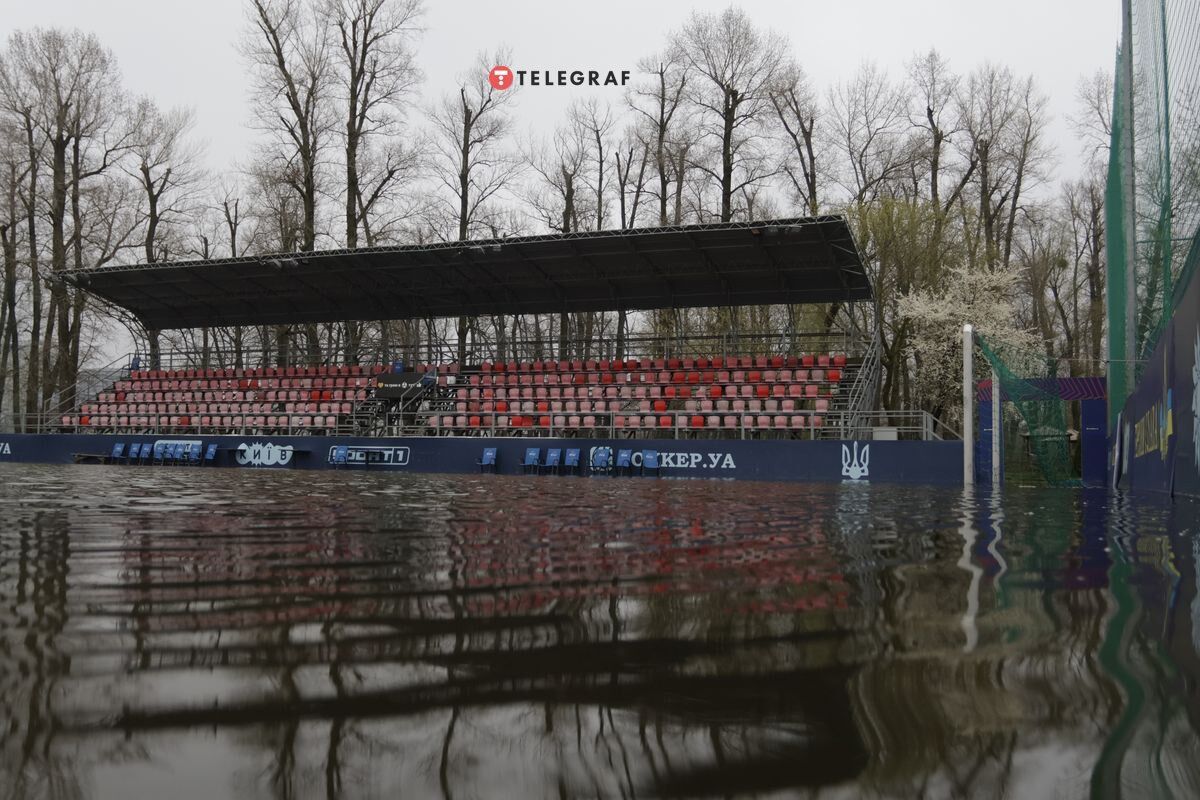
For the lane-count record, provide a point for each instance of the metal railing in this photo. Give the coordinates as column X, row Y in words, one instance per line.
column 864, row 390
column 905, row 425
column 295, row 424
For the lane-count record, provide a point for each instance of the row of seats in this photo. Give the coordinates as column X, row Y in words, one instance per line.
column 193, row 409
column 745, row 391
column 244, row 384
column 315, row 396
column 754, row 406
column 193, row 453
column 629, row 364
column 323, row 370
column 261, row 423
column 664, row 378
column 468, row 422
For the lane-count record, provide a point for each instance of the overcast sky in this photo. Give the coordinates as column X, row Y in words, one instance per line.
column 185, row 53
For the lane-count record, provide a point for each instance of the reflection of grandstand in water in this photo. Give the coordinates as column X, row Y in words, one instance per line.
column 699, row 641
column 677, row 641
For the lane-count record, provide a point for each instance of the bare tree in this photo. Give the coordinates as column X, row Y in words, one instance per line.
column 62, row 89
column 631, row 160
column 559, row 169
column 796, row 106
column 1092, row 118
column 290, row 60
column 737, row 66
column 595, row 122
column 868, row 121
column 469, row 128
column 1004, row 118
column 935, row 87
column 165, row 166
column 657, row 102
column 375, row 63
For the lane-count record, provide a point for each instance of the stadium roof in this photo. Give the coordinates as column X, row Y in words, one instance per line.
column 810, row 260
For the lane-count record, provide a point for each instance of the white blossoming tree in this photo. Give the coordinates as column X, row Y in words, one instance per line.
column 979, row 296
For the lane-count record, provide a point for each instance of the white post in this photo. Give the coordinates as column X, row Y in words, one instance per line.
column 996, row 417
column 968, row 406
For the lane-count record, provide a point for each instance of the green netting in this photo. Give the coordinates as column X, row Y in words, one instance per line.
column 1152, row 196
column 1116, row 297
column 1045, row 436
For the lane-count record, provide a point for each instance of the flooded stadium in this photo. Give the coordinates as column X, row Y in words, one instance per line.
column 221, row 633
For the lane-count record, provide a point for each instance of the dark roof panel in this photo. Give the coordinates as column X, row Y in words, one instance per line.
column 812, row 260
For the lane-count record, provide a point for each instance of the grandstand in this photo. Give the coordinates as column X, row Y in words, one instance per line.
column 695, row 398
column 740, row 396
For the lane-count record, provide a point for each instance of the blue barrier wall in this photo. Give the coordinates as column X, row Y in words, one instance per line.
column 783, row 460
column 1159, row 436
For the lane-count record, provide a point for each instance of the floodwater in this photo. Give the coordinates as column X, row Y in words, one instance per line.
column 189, row 633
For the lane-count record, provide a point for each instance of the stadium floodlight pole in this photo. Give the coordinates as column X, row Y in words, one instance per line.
column 968, row 405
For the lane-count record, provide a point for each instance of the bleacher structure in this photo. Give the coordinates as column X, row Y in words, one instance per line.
column 698, row 405
column 739, row 396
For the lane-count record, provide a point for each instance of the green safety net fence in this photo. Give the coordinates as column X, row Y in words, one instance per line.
column 1116, row 207
column 1152, row 192
column 1042, row 436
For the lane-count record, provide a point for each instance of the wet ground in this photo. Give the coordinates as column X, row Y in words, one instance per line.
column 186, row 633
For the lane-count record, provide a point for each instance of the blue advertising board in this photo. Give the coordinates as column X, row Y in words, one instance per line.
column 1159, row 436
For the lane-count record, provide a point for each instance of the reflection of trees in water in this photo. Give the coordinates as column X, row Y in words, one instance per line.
column 663, row 641
column 35, row 552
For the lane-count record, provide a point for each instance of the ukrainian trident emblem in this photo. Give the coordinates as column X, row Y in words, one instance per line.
column 854, row 465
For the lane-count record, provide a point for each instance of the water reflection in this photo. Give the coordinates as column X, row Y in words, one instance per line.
column 193, row 633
